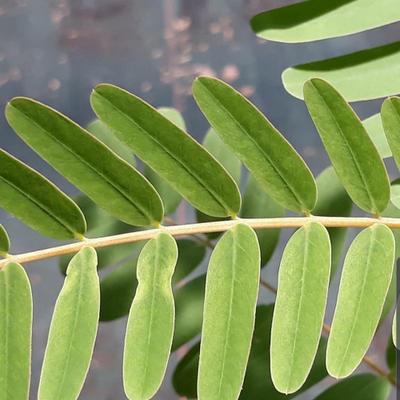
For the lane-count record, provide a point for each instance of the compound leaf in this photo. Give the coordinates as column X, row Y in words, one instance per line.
column 170, row 197
column 358, row 387
column 73, row 330
column 333, row 201
column 365, row 75
column 229, row 313
column 168, row 150
column 86, row 162
column 258, row 204
column 4, row 242
column 313, row 20
column 300, row 306
column 151, row 319
column 15, row 332
column 37, row 202
column 100, row 130
column 351, row 150
column 365, row 281
column 264, row 151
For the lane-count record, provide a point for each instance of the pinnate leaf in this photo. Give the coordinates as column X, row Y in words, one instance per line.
column 258, row 204
column 313, row 20
column 300, row 306
column 37, row 202
column 351, row 150
column 151, row 319
column 73, row 330
column 358, row 387
column 86, row 162
column 365, row 75
column 4, row 242
column 365, row 281
column 263, row 150
column 168, row 150
column 229, row 312
column 15, row 332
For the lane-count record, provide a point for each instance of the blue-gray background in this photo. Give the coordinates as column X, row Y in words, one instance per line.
column 56, row 51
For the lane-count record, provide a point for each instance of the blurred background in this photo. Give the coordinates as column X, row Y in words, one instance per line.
column 56, row 51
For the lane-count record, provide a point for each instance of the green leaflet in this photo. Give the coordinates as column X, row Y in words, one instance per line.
column 358, row 387
column 333, row 201
column 391, row 124
column 230, row 162
column 15, row 332
column 270, row 158
column 313, row 20
column 257, row 383
column 151, row 319
column 300, row 306
column 100, row 224
column 100, row 130
column 169, row 196
column 394, row 328
column 391, row 356
column 86, row 162
column 364, row 75
column 258, row 204
column 374, row 128
column 366, row 276
column 347, row 144
column 168, row 150
column 117, row 291
column 189, row 304
column 190, row 255
column 229, row 312
column 37, row 202
column 395, row 193
column 73, row 330
column 4, row 242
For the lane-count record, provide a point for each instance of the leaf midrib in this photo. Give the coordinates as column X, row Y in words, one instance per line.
column 39, row 205
column 220, row 202
column 118, row 189
column 278, row 172
column 359, row 171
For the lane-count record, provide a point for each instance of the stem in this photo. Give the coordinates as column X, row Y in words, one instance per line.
column 193, row 229
column 326, row 328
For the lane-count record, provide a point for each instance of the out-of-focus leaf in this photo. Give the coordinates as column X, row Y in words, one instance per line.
column 300, row 306
column 73, row 330
column 151, row 319
column 391, row 124
column 100, row 224
column 189, row 303
column 190, row 255
column 168, row 150
column 15, row 332
column 37, row 202
column 395, row 193
column 170, row 197
column 86, row 162
column 351, row 150
column 263, row 150
column 100, row 130
column 358, row 387
column 258, row 204
column 117, row 291
column 257, row 383
column 333, row 201
column 391, row 356
column 313, row 20
column 229, row 313
column 394, row 328
column 364, row 75
column 365, row 281
column 374, row 128
column 4, row 242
